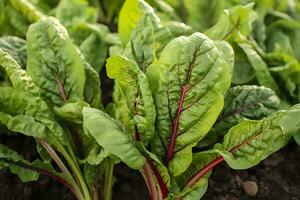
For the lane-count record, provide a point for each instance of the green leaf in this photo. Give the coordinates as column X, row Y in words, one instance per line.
column 188, row 82
column 263, row 75
column 112, row 137
column 201, row 14
column 92, row 89
column 25, row 113
column 141, row 46
column 246, row 102
column 196, row 191
column 69, row 12
column 232, row 23
column 26, row 170
column 138, row 96
column 18, row 77
column 243, row 71
column 249, row 142
column 71, row 111
column 15, row 47
column 94, row 48
column 54, row 62
column 10, row 158
column 131, row 13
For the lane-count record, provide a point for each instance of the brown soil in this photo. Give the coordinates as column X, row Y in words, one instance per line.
column 278, row 177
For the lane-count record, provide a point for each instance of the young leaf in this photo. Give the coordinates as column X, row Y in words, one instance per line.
column 189, row 82
column 54, row 62
column 141, row 47
column 135, row 87
column 131, row 14
column 112, row 137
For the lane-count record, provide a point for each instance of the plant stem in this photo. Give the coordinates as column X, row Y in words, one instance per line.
column 150, row 182
column 75, row 168
column 62, row 167
column 163, row 187
column 108, row 180
column 204, row 171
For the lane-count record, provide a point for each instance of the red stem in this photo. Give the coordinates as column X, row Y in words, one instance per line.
column 171, row 145
column 61, row 89
column 163, row 187
column 150, row 182
column 204, row 171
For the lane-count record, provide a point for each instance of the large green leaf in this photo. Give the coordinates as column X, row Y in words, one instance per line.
column 112, row 136
column 189, row 82
column 249, row 142
column 134, row 85
column 54, row 62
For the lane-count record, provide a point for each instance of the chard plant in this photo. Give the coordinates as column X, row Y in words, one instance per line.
column 220, row 87
column 45, row 102
column 169, row 96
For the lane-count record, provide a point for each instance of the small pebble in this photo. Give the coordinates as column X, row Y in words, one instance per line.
column 250, row 188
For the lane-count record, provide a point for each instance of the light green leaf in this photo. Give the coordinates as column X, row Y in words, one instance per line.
column 18, row 77
column 25, row 113
column 141, row 46
column 54, row 62
column 112, row 137
column 69, row 12
column 15, row 47
column 188, row 82
column 71, row 111
column 138, row 96
column 263, row 75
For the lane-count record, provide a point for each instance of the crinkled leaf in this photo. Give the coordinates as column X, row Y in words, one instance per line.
column 27, row 114
column 247, row 102
column 15, row 47
column 188, row 82
column 138, row 96
column 18, row 77
column 141, row 47
column 249, row 142
column 54, row 62
column 112, row 137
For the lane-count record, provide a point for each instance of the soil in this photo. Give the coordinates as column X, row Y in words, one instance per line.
column 277, row 177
